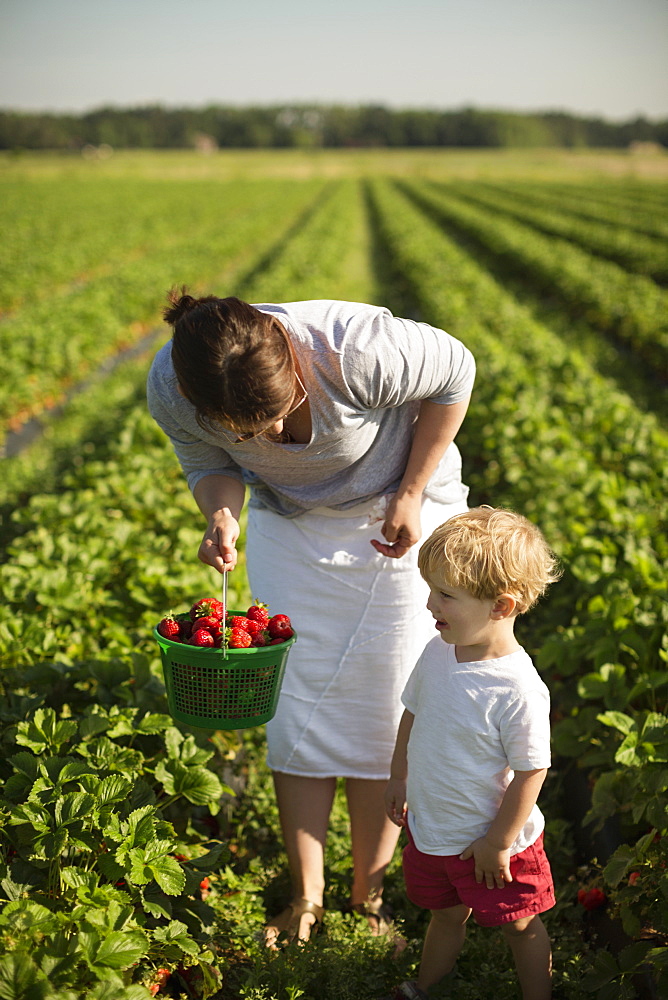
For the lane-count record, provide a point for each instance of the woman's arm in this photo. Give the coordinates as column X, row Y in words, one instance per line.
column 221, row 499
column 492, row 852
column 435, row 430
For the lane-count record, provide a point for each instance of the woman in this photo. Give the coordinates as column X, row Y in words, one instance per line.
column 340, row 419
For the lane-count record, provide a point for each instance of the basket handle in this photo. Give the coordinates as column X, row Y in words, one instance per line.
column 224, row 647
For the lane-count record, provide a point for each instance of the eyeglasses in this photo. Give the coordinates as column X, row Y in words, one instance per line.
column 248, row 436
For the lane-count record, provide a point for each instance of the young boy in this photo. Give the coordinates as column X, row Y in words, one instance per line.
column 473, row 748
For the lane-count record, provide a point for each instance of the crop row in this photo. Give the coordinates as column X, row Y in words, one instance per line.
column 638, row 210
column 629, row 307
column 51, row 344
column 548, row 436
column 632, row 251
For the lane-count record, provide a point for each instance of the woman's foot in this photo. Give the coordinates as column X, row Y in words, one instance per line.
column 297, row 921
column 379, row 918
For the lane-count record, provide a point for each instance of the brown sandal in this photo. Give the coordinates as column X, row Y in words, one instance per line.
column 379, row 917
column 286, row 924
column 378, row 914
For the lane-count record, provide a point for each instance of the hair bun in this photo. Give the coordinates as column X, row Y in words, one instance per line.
column 180, row 303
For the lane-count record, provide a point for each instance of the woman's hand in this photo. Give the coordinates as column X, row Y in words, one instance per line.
column 218, row 548
column 402, row 526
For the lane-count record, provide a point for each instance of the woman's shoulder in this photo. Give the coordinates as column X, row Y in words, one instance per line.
column 161, row 378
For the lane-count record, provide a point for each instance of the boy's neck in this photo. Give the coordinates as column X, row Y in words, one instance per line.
column 501, row 643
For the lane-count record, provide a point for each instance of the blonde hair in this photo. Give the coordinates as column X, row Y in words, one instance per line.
column 489, row 551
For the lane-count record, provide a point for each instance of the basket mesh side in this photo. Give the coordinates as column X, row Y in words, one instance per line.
column 221, row 692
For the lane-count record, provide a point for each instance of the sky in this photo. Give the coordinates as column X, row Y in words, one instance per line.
column 597, row 58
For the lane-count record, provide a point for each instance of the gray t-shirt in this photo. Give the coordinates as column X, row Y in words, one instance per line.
column 366, row 372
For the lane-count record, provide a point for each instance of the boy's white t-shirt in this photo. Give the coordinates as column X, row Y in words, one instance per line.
column 475, row 724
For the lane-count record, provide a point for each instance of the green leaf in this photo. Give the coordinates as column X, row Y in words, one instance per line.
column 44, row 732
column 196, row 784
column 113, row 788
column 169, row 875
column 154, row 723
column 26, row 917
column 627, row 753
column 73, row 806
column 212, row 859
column 618, row 720
column 25, row 763
column 20, row 979
column 618, row 865
column 75, row 877
column 117, row 950
column 604, row 970
column 155, row 901
column 176, row 933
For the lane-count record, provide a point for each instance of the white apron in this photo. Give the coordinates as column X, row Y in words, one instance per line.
column 362, row 623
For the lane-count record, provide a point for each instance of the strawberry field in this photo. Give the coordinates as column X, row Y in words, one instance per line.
column 141, row 857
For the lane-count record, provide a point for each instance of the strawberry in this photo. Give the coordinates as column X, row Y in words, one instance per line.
column 201, row 637
column 207, row 606
column 253, row 627
column 240, row 621
column 279, row 627
column 591, row 899
column 207, row 621
column 169, row 629
column 185, row 629
column 261, row 638
column 237, row 638
column 259, row 613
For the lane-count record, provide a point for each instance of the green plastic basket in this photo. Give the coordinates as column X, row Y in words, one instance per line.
column 222, row 689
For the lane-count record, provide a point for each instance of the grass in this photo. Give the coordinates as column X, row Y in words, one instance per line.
column 530, row 164
column 345, row 960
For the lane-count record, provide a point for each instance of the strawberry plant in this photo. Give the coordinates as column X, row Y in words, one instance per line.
column 98, row 821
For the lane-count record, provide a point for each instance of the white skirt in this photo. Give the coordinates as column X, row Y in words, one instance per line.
column 362, row 623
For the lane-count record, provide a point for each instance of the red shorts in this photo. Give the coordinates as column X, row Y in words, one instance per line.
column 437, row 882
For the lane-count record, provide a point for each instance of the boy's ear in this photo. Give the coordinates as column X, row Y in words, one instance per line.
column 505, row 605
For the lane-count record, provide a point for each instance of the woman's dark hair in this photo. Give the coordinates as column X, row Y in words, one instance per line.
column 233, row 362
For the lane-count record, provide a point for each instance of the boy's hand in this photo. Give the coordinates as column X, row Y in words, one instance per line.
column 395, row 801
column 492, row 865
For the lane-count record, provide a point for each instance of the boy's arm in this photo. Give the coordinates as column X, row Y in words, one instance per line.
column 492, row 852
column 395, row 792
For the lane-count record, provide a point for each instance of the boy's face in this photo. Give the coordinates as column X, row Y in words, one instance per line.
column 461, row 618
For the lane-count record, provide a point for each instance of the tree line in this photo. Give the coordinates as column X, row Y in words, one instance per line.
column 316, row 126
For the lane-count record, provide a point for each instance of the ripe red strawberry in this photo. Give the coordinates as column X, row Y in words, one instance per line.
column 169, row 629
column 239, row 621
column 261, row 638
column 259, row 613
column 237, row 638
column 207, row 606
column 281, row 618
column 254, row 627
column 591, row 899
column 201, row 637
column 279, row 627
column 207, row 621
